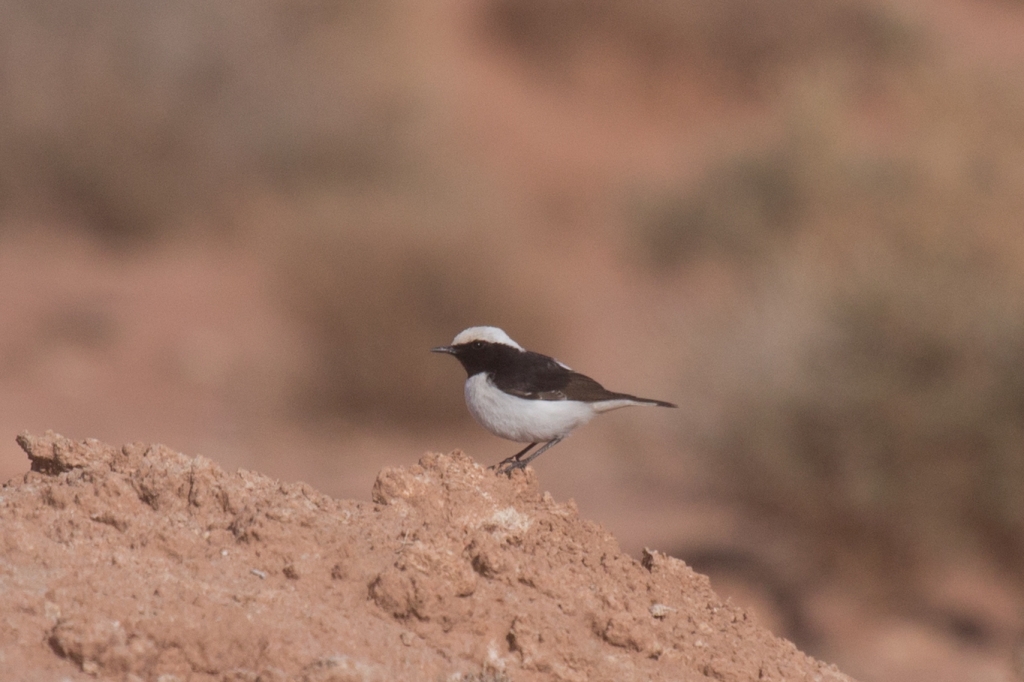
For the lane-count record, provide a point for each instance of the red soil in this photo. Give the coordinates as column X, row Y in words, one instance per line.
column 143, row 563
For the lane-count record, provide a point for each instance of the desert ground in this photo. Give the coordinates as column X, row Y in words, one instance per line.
column 143, row 563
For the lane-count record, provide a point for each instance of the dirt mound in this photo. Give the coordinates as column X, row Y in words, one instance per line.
column 142, row 563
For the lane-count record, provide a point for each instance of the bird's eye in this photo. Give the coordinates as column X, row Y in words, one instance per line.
column 476, row 345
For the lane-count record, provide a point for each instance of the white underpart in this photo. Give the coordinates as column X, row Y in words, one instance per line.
column 492, row 334
column 529, row 421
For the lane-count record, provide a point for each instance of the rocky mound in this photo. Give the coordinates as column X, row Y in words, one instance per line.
column 140, row 563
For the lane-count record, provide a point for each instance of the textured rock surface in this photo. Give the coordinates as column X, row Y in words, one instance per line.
column 141, row 563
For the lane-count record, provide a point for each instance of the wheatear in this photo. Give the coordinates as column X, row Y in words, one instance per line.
column 525, row 396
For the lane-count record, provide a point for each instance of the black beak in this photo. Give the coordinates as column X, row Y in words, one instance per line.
column 443, row 349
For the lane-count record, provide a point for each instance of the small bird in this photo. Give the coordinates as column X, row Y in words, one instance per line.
column 525, row 396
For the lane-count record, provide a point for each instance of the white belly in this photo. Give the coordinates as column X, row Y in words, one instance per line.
column 519, row 419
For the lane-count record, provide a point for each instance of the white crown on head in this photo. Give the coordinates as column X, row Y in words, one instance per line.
column 490, row 334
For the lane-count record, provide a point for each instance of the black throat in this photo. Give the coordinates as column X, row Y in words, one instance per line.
column 495, row 359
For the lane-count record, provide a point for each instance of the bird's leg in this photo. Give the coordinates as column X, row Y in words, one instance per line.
column 513, row 463
column 514, row 458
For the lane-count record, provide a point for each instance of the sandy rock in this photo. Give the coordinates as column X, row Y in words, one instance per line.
column 145, row 564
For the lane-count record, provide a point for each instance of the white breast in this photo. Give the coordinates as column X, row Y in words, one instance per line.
column 519, row 419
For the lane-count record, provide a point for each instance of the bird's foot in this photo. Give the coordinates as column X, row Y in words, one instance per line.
column 508, row 465
column 516, row 461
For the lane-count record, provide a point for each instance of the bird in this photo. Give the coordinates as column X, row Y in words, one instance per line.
column 527, row 397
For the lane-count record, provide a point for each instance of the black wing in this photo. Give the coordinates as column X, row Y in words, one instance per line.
column 538, row 377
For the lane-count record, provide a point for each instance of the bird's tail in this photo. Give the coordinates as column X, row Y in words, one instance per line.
column 650, row 401
column 625, row 400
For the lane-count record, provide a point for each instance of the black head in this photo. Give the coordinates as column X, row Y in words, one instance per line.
column 482, row 349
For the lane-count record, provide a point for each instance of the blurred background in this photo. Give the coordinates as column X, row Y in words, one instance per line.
column 237, row 228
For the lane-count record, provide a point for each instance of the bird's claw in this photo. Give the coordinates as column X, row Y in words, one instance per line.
column 507, row 466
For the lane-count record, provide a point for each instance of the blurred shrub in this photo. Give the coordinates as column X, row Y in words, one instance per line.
column 741, row 44
column 376, row 283
column 895, row 428
column 742, row 210
column 137, row 117
column 875, row 395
